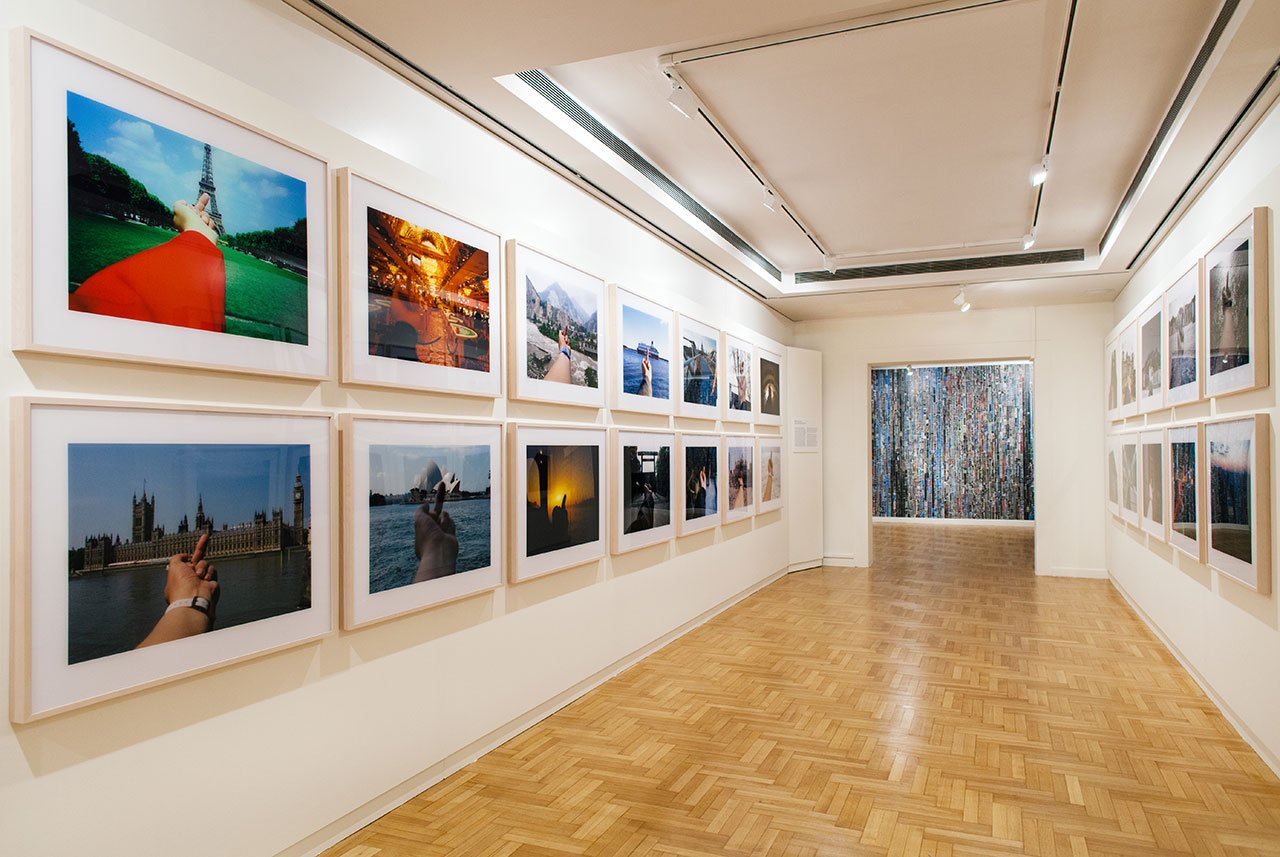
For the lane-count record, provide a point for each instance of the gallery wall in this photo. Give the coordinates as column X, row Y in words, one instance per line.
column 1060, row 340
column 1226, row 634
column 284, row 753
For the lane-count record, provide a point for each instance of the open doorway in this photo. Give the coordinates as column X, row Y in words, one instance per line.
column 952, row 457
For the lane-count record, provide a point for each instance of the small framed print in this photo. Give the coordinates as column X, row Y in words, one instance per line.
column 740, row 472
column 1129, row 477
column 1151, row 357
column 643, row 488
column 771, row 472
column 422, row 499
column 1112, row 379
column 1236, row 297
column 1128, row 345
column 1182, row 491
column 699, row 367
column 700, row 468
column 419, row 310
column 739, row 360
column 1182, row 339
column 769, row 410
column 163, row 232
column 169, row 542
column 559, row 330
column 1113, row 475
column 557, row 498
column 1152, row 469
column 1239, row 504
column 642, row 355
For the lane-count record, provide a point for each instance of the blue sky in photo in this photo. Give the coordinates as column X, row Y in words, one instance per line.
column 394, row 469
column 235, row 481
column 250, row 196
column 581, row 293
column 638, row 326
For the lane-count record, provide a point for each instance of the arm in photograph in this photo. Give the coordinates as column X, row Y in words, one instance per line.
column 189, row 577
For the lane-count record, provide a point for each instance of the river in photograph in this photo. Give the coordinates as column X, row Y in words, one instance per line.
column 112, row 612
column 392, row 562
column 632, row 374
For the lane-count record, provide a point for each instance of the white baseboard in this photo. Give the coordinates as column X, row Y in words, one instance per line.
column 333, row 833
column 956, row 522
column 1064, row 571
column 843, row 560
column 805, row 564
column 1271, row 760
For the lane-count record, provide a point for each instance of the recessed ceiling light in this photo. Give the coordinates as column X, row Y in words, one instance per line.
column 1040, row 172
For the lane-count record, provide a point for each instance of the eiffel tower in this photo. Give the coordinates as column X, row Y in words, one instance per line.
column 206, row 186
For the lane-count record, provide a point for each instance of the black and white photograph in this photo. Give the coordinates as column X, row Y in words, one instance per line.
column 1182, row 339
column 1236, row 309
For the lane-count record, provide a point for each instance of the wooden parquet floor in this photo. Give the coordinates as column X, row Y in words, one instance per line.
column 946, row 703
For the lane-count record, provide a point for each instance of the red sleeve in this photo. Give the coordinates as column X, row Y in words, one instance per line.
column 182, row 282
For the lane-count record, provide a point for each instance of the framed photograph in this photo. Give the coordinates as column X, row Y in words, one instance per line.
column 559, row 340
column 1112, row 380
column 1151, row 357
column 163, row 232
column 769, row 410
column 771, row 467
column 1183, row 494
column 1239, row 483
column 422, row 500
column 1182, row 339
column 1129, row 478
column 419, row 310
column 168, row 542
column 642, row 358
column 1152, row 472
column 1113, row 475
column 643, row 488
column 700, row 467
column 557, row 498
column 1128, row 344
column 1236, row 313
column 739, row 482
column 739, row 360
column 699, row 365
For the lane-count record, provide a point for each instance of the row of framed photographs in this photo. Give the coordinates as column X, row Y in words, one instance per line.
column 124, row 513
column 165, row 232
column 1204, row 488
column 1206, row 335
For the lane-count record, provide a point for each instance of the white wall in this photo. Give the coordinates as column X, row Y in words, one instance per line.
column 804, row 402
column 1065, row 344
column 1227, row 635
column 256, row 758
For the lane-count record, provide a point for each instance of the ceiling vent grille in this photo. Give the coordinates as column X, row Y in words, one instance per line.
column 570, row 107
column 942, row 266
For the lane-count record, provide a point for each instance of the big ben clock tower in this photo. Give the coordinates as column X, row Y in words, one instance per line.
column 298, row 495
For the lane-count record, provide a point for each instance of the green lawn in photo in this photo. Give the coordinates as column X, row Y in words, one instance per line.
column 263, row 301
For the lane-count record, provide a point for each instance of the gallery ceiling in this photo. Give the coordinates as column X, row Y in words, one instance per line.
column 894, row 140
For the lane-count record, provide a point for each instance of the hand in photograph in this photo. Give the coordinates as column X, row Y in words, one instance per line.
column 646, row 378
column 559, row 368
column 435, row 540
column 768, row 483
column 190, row 577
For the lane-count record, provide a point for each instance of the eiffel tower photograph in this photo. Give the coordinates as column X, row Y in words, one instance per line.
column 172, row 230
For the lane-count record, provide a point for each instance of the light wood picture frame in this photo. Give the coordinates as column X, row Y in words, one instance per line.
column 1184, row 497
column 643, row 333
column 739, row 488
column 738, row 356
column 1151, row 374
column 1111, row 380
column 1127, row 343
column 550, row 530
column 1238, row 499
column 772, row 472
column 422, row 294
column 423, row 513
column 1184, row 381
column 643, row 488
column 151, row 486
column 701, row 465
column 1236, row 301
column 699, row 356
column 228, row 273
column 550, row 299
column 1153, row 470
column 1130, row 463
column 770, row 387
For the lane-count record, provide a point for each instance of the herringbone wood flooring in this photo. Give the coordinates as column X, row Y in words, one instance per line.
column 946, row 703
